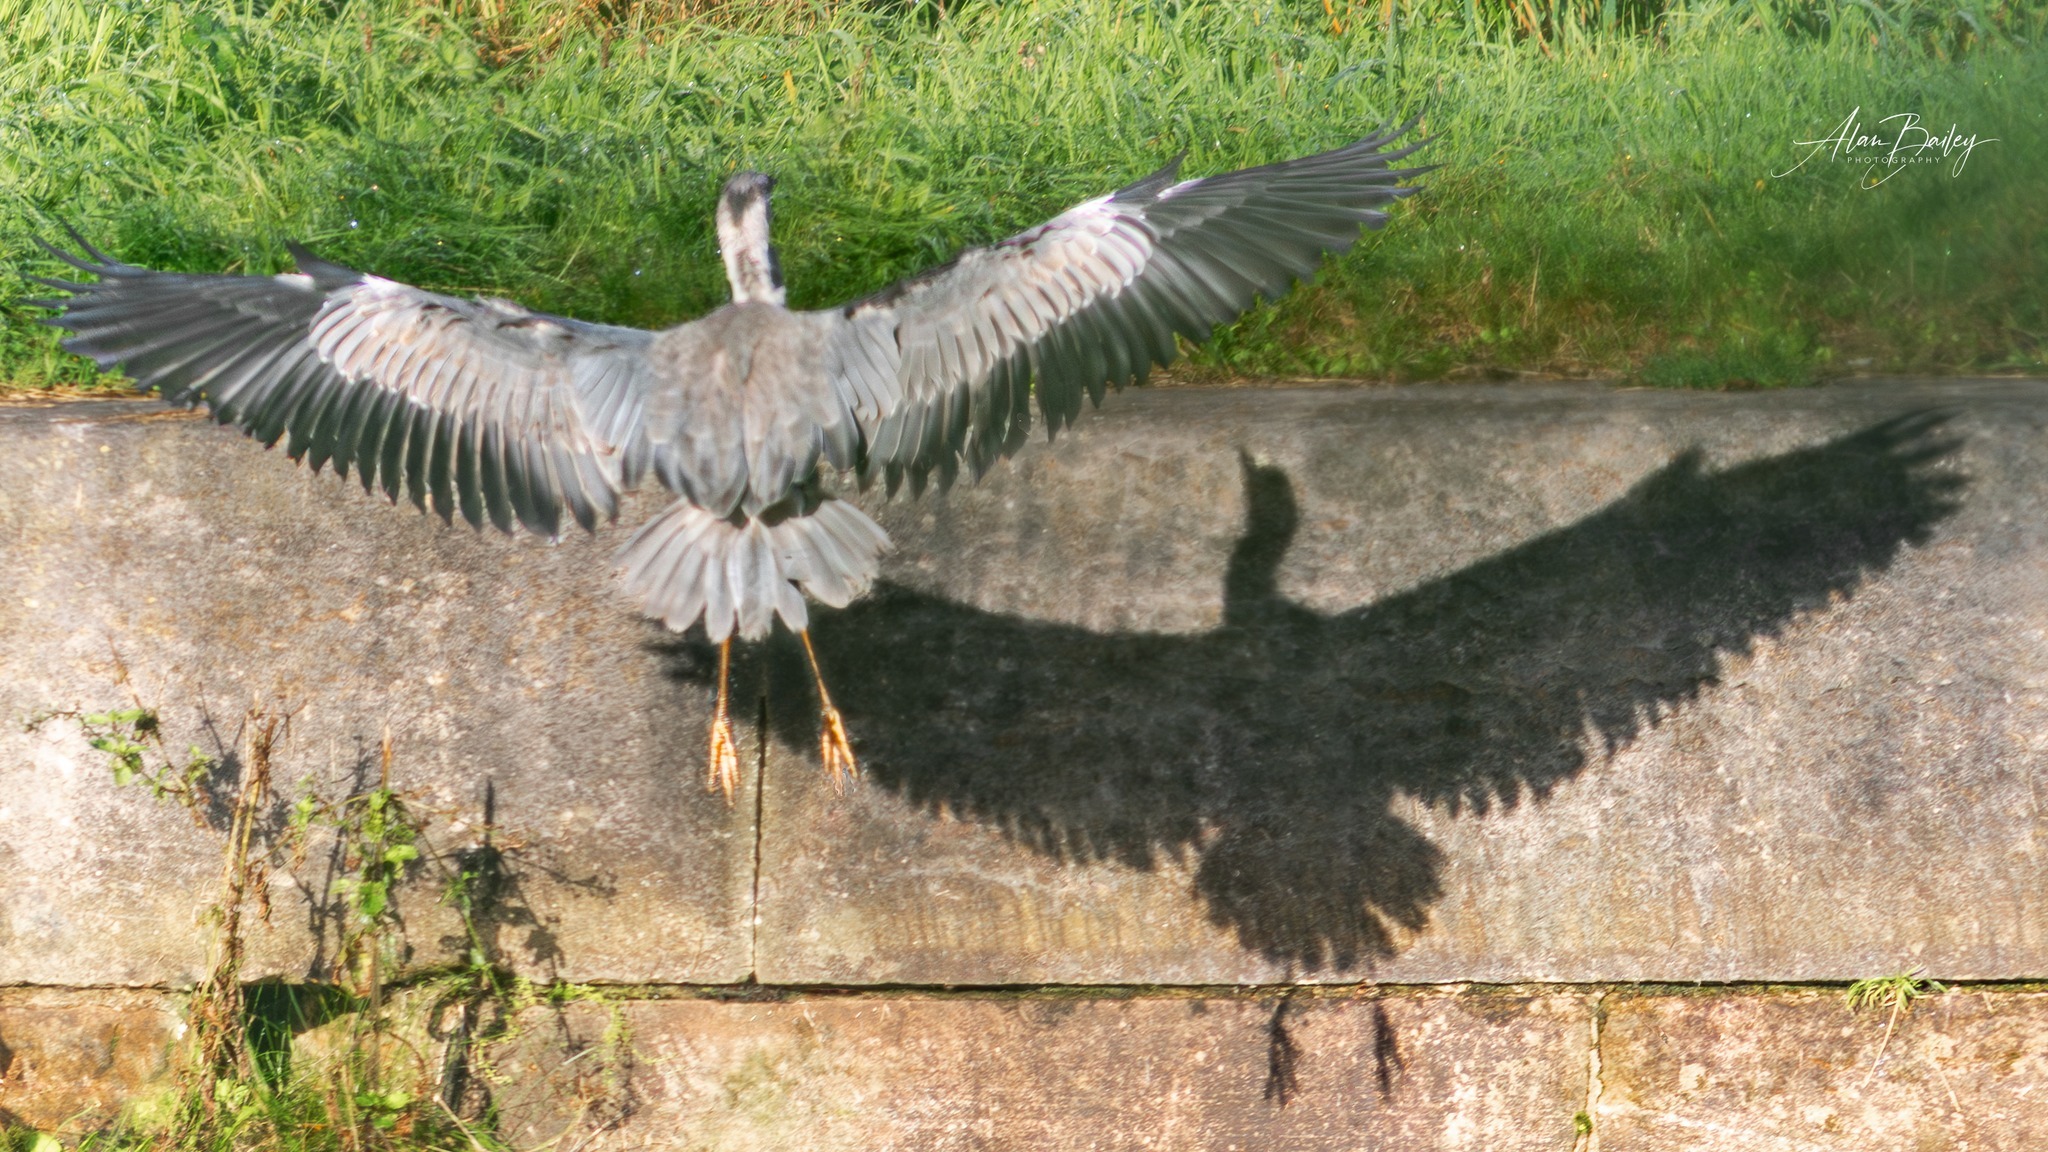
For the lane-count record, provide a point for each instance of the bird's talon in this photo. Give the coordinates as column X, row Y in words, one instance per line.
column 725, row 760
column 724, row 766
column 836, row 751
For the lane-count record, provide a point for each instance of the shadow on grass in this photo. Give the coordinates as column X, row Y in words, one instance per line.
column 1271, row 750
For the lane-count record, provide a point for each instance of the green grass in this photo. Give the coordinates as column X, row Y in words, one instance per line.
column 1606, row 203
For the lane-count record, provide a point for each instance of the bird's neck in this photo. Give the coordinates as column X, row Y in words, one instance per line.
column 750, row 262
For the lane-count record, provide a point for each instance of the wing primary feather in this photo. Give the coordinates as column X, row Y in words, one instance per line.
column 1186, row 301
column 120, row 313
column 108, row 264
column 491, row 478
column 355, row 427
column 441, row 466
column 959, row 408
column 1066, row 376
column 604, row 495
column 325, row 411
column 313, row 388
column 468, row 491
column 1092, row 343
column 396, row 447
column 571, row 480
column 1041, row 372
column 1119, row 346
column 244, row 367
column 1255, row 261
column 160, row 361
column 300, row 371
column 1230, row 291
column 989, row 409
column 419, row 445
column 517, row 491
column 104, row 268
column 1143, row 314
column 547, row 505
column 269, row 414
column 1019, row 429
column 326, row 274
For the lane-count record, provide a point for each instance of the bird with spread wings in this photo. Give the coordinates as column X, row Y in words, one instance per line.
column 514, row 417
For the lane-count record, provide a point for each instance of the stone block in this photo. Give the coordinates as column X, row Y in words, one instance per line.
column 1799, row 1070
column 69, row 1061
column 1495, row 1072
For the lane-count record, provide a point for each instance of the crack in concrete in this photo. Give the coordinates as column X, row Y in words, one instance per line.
column 1589, row 1137
column 760, row 830
column 1345, row 992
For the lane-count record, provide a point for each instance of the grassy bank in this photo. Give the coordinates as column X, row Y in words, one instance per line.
column 1610, row 199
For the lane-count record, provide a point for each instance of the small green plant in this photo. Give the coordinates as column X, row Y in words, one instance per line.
column 379, row 834
column 132, row 741
column 121, row 735
column 237, row 1087
column 1895, row 993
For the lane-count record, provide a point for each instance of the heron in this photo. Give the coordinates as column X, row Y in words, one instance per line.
column 748, row 414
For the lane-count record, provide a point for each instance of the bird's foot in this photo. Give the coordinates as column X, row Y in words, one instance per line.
column 724, row 774
column 724, row 767
column 835, row 751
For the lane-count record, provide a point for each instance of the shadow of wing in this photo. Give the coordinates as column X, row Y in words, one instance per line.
column 1270, row 750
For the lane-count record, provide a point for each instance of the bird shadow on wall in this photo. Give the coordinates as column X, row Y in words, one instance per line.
column 1270, row 750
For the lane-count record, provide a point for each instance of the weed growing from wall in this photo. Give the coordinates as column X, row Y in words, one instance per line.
column 379, row 1086
column 137, row 755
column 1896, row 993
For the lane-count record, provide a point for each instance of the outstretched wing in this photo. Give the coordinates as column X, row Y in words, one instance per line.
column 940, row 366
column 505, row 414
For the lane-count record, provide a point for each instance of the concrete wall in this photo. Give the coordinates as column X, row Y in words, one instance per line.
column 1534, row 685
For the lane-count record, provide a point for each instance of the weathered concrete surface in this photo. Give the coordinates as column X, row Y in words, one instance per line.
column 69, row 1061
column 213, row 573
column 1495, row 1073
column 1554, row 683
column 1800, row 1072
column 1726, row 1070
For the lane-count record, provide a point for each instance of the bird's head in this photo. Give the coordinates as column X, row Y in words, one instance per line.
column 750, row 261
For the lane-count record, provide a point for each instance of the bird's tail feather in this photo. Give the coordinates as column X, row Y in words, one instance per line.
column 740, row 574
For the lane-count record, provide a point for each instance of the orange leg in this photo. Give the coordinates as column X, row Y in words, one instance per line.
column 725, row 753
column 833, row 749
